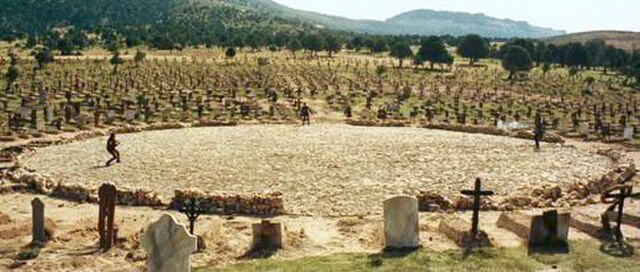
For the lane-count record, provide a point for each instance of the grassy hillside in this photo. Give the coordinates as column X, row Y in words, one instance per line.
column 620, row 39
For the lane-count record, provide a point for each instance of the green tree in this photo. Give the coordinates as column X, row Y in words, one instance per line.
column 313, row 42
column 43, row 57
column 13, row 73
column 432, row 49
column 401, row 51
column 576, row 55
column 294, row 46
column 31, row 41
column 516, row 59
column 473, row 47
column 333, row 44
column 230, row 52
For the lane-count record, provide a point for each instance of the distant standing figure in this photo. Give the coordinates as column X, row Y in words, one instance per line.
column 305, row 113
column 538, row 133
column 111, row 148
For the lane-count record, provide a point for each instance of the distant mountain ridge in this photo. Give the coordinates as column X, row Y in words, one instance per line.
column 418, row 22
column 40, row 16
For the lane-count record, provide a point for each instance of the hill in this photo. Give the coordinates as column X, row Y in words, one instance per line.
column 418, row 22
column 621, row 39
column 427, row 22
column 38, row 17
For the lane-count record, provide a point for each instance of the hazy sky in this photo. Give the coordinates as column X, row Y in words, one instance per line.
column 569, row 15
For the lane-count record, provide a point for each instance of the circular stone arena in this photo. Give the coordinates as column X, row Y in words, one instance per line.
column 321, row 169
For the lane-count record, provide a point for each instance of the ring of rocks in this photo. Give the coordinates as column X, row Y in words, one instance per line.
column 271, row 203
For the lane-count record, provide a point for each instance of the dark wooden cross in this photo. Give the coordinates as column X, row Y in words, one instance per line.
column 625, row 191
column 192, row 210
column 476, row 193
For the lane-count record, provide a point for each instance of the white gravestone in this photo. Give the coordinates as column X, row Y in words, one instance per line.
column 628, row 133
column 401, row 226
column 168, row 246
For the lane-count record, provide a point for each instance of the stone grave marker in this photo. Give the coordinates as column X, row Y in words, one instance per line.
column 106, row 215
column 401, row 222
column 546, row 232
column 168, row 245
column 550, row 230
column 129, row 115
column 37, row 221
column 267, row 235
column 628, row 133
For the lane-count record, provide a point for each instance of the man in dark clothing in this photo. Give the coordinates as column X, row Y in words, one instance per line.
column 111, row 148
column 305, row 113
column 538, row 132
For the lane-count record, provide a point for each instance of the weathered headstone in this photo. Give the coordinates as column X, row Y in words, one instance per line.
column 628, row 133
column 37, row 221
column 267, row 235
column 168, row 246
column 401, row 222
column 106, row 215
column 550, row 230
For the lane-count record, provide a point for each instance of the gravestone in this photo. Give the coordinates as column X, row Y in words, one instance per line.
column 267, row 235
column 168, row 245
column 584, row 128
column 628, row 133
column 401, row 226
column 106, row 215
column 37, row 221
column 129, row 115
column 111, row 116
column 550, row 230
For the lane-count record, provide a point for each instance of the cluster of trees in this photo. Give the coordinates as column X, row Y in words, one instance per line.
column 520, row 55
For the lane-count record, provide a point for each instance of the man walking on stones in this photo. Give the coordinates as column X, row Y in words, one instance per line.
column 538, row 133
column 305, row 113
column 112, row 143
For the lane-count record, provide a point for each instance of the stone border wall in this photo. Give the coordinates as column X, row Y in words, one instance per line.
column 269, row 204
column 261, row 204
column 258, row 204
column 549, row 137
column 580, row 193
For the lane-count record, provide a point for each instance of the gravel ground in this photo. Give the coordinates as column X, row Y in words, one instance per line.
column 321, row 169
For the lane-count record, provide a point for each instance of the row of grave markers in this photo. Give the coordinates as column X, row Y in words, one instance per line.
column 169, row 244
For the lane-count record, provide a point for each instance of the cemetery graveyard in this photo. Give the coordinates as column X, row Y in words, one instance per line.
column 401, row 158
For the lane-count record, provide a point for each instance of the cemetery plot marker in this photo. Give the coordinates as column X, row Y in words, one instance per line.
column 106, row 215
column 192, row 210
column 617, row 200
column 401, row 223
column 476, row 193
column 168, row 246
column 37, row 228
column 548, row 232
column 267, row 235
